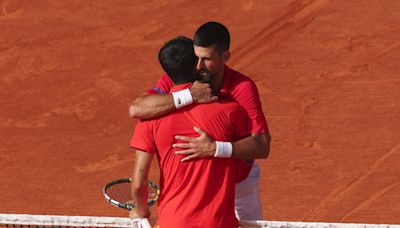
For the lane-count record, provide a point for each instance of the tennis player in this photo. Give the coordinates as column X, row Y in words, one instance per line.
column 200, row 192
column 211, row 45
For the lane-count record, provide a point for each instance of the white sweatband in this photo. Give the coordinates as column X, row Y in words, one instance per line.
column 140, row 222
column 182, row 98
column 223, row 150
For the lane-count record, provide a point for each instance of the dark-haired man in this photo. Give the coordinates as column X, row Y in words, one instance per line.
column 211, row 46
column 199, row 193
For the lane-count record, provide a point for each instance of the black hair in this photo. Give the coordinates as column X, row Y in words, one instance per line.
column 178, row 60
column 212, row 33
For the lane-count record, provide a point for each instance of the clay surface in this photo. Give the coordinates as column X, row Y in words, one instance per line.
column 327, row 72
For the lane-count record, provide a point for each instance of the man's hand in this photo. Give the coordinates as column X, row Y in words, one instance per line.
column 134, row 214
column 201, row 92
column 200, row 147
column 137, row 221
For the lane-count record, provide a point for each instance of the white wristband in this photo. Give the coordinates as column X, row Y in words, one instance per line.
column 223, row 150
column 182, row 98
column 140, row 222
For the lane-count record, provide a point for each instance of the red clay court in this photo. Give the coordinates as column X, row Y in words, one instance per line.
column 327, row 72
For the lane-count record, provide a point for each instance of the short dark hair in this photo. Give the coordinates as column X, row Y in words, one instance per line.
column 178, row 60
column 212, row 33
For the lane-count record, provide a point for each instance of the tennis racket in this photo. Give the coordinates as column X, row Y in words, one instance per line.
column 118, row 193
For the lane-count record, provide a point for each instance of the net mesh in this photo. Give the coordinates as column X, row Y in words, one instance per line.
column 21, row 220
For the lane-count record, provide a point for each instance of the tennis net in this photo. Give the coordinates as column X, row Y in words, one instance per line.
column 23, row 220
column 35, row 221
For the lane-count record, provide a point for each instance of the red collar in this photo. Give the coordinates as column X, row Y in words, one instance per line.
column 181, row 87
column 227, row 80
column 228, row 73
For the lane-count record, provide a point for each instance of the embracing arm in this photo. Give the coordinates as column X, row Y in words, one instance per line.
column 148, row 106
column 255, row 146
column 139, row 187
column 252, row 147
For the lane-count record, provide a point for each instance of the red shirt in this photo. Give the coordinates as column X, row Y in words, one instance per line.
column 235, row 87
column 199, row 193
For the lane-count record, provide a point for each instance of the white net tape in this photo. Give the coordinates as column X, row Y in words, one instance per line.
column 276, row 224
column 78, row 221
column 87, row 221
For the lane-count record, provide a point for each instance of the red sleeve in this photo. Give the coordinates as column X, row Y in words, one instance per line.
column 246, row 94
column 240, row 116
column 243, row 167
column 143, row 137
column 163, row 85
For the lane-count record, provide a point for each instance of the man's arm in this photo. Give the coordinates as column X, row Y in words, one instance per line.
column 139, row 187
column 254, row 146
column 148, row 106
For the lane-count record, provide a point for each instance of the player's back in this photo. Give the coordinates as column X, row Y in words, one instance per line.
column 198, row 193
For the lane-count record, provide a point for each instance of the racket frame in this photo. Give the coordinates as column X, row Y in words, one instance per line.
column 125, row 206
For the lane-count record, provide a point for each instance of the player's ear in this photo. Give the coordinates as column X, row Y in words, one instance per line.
column 226, row 55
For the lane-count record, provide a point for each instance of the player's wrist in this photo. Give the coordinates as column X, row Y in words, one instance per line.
column 223, row 149
column 142, row 213
column 182, row 98
column 193, row 94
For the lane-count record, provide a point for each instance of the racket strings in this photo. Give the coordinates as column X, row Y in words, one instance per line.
column 121, row 192
column 153, row 194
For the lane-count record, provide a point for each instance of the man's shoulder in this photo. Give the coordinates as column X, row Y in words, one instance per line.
column 218, row 108
column 238, row 80
column 219, row 118
column 148, row 122
column 221, row 103
column 164, row 84
column 236, row 75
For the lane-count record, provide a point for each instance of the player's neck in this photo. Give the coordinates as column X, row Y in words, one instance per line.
column 217, row 83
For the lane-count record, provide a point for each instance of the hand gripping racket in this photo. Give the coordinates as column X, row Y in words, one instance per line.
column 118, row 193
